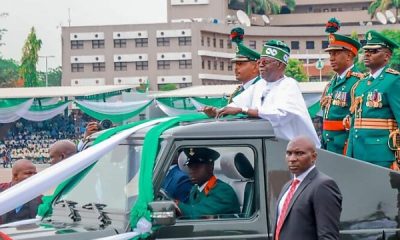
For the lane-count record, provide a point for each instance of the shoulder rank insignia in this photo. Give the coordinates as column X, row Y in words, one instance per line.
column 358, row 75
column 392, row 71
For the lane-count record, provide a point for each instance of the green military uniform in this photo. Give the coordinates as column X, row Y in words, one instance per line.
column 220, row 199
column 243, row 54
column 375, row 111
column 336, row 106
column 336, row 100
column 215, row 197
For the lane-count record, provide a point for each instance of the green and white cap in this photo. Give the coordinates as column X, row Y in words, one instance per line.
column 277, row 50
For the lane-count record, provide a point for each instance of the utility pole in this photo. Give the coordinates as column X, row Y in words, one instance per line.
column 46, row 57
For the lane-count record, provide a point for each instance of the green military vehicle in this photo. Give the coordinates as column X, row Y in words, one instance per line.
column 251, row 160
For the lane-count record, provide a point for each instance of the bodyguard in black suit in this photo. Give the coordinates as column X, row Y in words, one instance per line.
column 309, row 206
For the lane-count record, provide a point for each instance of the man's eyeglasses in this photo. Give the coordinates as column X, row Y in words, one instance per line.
column 265, row 61
column 372, row 51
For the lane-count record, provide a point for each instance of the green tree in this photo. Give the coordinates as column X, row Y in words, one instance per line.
column 168, row 87
column 383, row 5
column 30, row 55
column 295, row 69
column 395, row 36
column 268, row 6
column 359, row 63
column 54, row 76
column 8, row 72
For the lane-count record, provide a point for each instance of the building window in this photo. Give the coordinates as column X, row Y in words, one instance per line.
column 230, row 66
column 209, row 65
column 120, row 66
column 202, row 41
column 183, row 85
column 77, row 67
column 208, row 41
column 221, row 43
column 221, row 66
column 309, row 44
column 295, row 45
column 202, row 64
column 163, row 64
column 141, row 42
column 214, row 42
column 76, row 44
column 185, row 41
column 185, row 64
column 99, row 67
column 97, row 44
column 142, row 65
column 215, row 64
column 119, row 43
column 229, row 43
column 324, row 44
column 252, row 44
column 162, row 42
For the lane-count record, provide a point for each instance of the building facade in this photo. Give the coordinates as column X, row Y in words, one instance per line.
column 191, row 49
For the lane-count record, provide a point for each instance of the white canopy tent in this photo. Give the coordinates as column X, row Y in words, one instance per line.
column 62, row 91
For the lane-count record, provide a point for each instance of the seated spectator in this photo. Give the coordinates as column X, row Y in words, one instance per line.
column 209, row 196
column 22, row 170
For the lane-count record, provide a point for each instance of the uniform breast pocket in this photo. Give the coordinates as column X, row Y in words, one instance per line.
column 376, row 150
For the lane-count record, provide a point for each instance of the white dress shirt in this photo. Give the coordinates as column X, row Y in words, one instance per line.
column 301, row 177
column 282, row 103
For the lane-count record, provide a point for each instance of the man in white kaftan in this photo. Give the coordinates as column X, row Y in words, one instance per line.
column 276, row 98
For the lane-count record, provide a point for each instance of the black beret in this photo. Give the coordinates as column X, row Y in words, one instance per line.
column 200, row 155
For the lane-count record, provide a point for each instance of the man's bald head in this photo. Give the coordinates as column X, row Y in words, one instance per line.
column 61, row 150
column 301, row 154
column 22, row 169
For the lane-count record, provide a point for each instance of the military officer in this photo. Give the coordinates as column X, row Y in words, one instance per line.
column 336, row 100
column 245, row 63
column 245, row 67
column 209, row 196
column 376, row 106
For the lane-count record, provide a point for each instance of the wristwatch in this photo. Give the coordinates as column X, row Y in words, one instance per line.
column 245, row 110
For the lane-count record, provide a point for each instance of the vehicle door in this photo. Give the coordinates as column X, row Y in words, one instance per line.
column 247, row 224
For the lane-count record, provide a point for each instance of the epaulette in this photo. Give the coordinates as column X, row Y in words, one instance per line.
column 392, row 71
column 358, row 75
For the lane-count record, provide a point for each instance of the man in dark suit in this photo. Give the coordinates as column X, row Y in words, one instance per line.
column 309, row 206
column 177, row 184
column 22, row 170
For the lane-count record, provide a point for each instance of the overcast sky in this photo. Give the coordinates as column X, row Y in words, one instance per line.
column 48, row 15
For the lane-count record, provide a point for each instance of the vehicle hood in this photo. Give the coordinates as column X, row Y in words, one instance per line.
column 54, row 231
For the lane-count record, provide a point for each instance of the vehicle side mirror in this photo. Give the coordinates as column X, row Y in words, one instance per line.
column 163, row 212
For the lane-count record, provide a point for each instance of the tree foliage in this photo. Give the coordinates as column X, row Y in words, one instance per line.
column 30, row 56
column 167, row 87
column 395, row 36
column 54, row 76
column 268, row 6
column 383, row 5
column 8, row 72
column 295, row 69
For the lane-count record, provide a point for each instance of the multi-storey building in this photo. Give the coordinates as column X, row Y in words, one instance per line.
column 193, row 47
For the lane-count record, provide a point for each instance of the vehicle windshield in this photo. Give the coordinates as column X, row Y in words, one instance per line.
column 113, row 181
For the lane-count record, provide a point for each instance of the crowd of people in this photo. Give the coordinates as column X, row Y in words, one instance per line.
column 32, row 140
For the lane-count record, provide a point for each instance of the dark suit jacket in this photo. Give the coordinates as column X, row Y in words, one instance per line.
column 177, row 184
column 27, row 211
column 314, row 211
